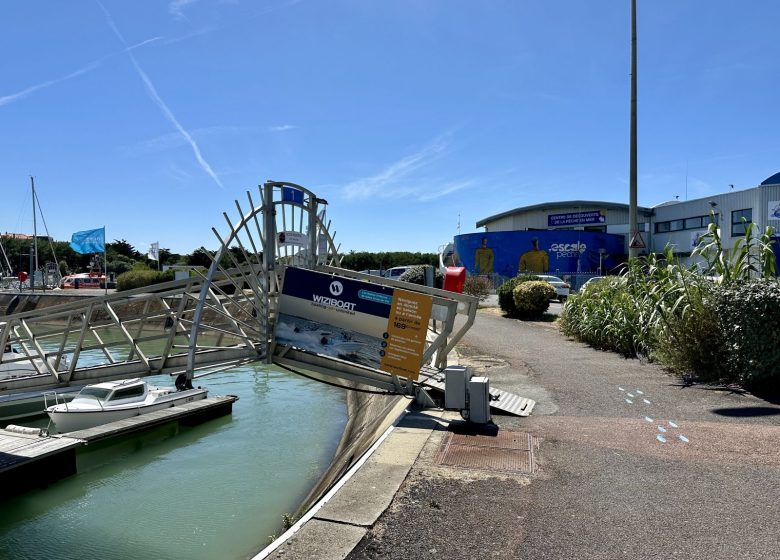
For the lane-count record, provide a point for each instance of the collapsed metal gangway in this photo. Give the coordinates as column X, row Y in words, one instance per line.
column 289, row 228
column 215, row 319
column 134, row 333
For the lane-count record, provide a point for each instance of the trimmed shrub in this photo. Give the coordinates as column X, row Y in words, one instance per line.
column 416, row 275
column 749, row 315
column 139, row 278
column 506, row 297
column 532, row 298
column 477, row 286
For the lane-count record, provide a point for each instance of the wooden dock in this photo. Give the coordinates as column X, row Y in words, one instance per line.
column 28, row 461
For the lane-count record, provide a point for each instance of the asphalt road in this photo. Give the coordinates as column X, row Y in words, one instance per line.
column 631, row 464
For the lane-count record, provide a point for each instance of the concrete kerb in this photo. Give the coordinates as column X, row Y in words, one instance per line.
column 337, row 523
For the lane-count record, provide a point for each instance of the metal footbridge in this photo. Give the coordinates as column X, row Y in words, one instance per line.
column 213, row 320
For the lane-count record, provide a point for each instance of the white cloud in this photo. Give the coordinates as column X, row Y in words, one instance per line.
column 282, row 127
column 176, row 8
column 174, row 140
column 444, row 190
column 388, row 182
column 167, row 113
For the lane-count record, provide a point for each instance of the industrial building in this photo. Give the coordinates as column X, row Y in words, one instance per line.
column 581, row 238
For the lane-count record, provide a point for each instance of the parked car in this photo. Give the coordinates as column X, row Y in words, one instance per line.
column 561, row 288
column 396, row 272
column 372, row 271
column 591, row 281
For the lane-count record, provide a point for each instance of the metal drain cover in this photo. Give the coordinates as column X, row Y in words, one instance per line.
column 506, row 451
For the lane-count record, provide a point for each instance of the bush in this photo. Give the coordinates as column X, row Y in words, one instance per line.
column 532, row 298
column 416, row 275
column 477, row 286
column 506, row 297
column 612, row 316
column 691, row 338
column 749, row 316
column 139, row 278
column 719, row 332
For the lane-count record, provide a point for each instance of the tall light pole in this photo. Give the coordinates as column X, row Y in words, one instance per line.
column 633, row 249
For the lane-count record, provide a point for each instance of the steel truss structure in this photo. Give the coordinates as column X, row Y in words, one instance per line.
column 215, row 319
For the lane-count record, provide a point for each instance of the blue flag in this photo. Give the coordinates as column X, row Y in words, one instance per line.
column 90, row 241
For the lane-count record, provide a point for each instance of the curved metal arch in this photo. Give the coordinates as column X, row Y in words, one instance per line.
column 238, row 296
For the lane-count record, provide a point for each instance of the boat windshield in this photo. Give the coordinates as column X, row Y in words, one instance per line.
column 94, row 392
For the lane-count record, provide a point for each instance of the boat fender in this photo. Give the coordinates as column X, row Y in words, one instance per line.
column 182, row 382
column 27, row 430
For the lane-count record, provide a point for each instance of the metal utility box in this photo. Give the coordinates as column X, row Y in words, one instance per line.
column 479, row 400
column 455, row 380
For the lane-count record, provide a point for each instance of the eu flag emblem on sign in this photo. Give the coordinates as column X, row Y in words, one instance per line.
column 89, row 241
column 292, row 195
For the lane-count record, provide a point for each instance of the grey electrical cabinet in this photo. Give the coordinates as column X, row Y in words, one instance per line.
column 479, row 400
column 455, row 380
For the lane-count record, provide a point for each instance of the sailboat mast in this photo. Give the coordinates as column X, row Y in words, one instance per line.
column 35, row 231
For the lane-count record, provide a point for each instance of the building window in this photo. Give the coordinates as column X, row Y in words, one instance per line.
column 662, row 227
column 693, row 223
column 676, row 225
column 737, row 225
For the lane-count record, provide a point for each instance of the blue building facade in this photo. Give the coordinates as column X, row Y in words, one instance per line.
column 557, row 252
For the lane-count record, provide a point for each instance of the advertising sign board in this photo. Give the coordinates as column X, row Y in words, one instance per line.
column 577, row 218
column 774, row 209
column 368, row 324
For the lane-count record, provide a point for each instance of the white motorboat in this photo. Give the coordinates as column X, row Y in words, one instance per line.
column 110, row 401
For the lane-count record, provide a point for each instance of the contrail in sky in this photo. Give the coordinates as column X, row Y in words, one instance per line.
column 5, row 100
column 160, row 103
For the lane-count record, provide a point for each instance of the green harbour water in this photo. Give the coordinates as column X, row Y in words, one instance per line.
column 213, row 491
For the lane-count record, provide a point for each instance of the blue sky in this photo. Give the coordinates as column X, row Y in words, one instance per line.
column 409, row 117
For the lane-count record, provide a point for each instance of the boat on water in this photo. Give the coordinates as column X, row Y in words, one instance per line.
column 83, row 280
column 111, row 401
column 16, row 363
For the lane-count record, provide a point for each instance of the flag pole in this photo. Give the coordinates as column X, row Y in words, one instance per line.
column 105, row 261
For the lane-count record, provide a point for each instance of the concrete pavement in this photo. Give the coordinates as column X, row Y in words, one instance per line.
column 629, row 463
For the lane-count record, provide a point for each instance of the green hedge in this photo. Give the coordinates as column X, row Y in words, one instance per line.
column 749, row 320
column 140, row 278
column 532, row 298
column 506, row 293
column 416, row 275
column 713, row 332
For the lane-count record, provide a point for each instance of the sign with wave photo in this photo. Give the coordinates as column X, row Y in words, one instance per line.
column 364, row 323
